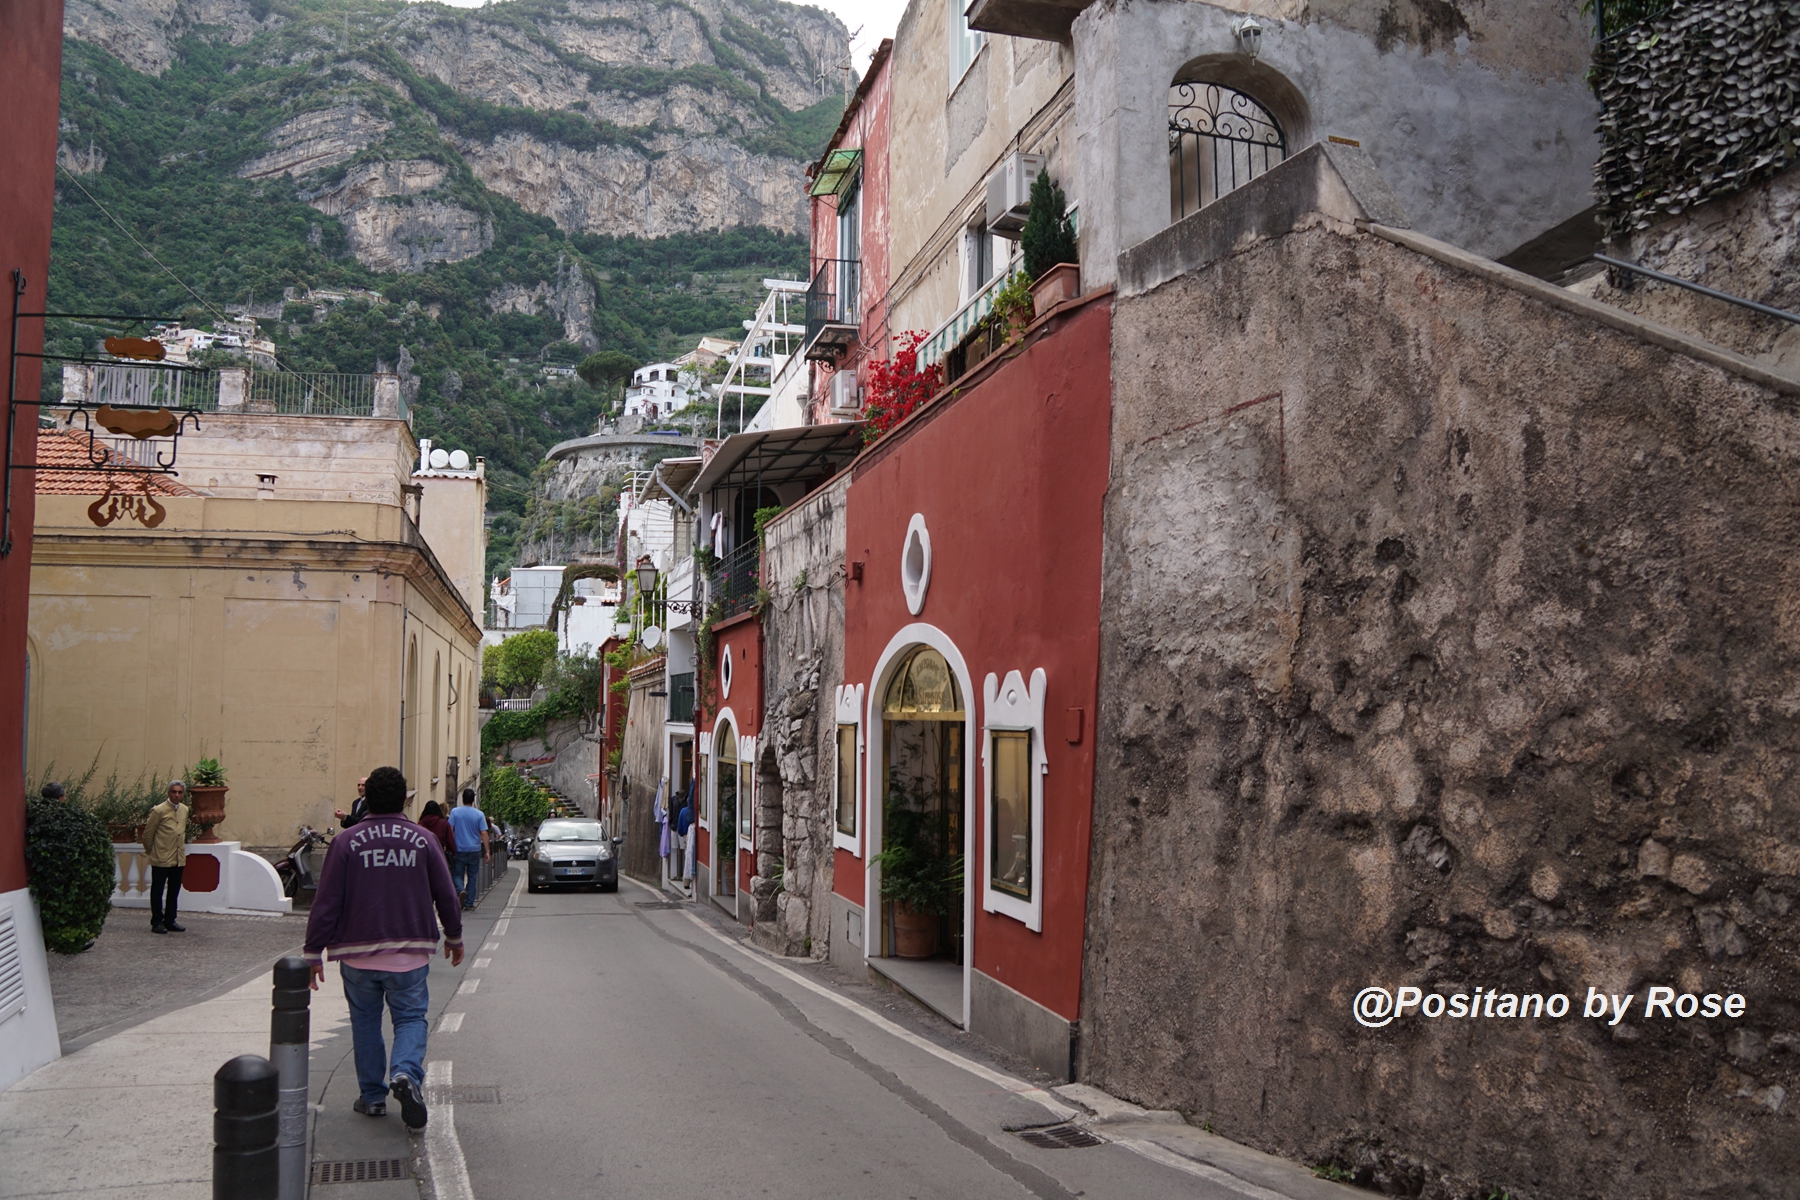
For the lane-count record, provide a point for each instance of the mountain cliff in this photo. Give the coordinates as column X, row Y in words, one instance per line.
column 464, row 194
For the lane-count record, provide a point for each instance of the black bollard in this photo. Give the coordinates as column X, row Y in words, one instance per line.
column 290, row 1032
column 244, row 1125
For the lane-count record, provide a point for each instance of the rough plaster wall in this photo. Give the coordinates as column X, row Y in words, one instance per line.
column 1465, row 660
column 641, row 768
column 1747, row 245
column 803, row 665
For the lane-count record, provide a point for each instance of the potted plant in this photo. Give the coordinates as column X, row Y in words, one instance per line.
column 207, row 787
column 1048, row 245
column 918, row 877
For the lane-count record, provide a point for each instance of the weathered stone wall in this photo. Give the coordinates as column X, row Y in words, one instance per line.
column 1449, row 639
column 641, row 769
column 1746, row 244
column 803, row 665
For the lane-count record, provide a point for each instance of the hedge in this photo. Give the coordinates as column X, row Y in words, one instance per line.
column 69, row 860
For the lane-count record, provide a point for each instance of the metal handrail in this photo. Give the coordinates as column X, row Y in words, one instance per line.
column 1766, row 310
column 832, row 298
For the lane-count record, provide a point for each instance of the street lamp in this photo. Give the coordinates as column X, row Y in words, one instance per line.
column 1249, row 36
column 646, row 576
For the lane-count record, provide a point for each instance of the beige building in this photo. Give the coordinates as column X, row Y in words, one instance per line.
column 300, row 606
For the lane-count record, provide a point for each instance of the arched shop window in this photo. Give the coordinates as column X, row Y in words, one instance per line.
column 922, row 805
column 725, row 808
column 923, row 689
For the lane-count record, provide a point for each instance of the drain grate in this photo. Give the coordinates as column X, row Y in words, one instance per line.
column 361, row 1170
column 464, row 1093
column 1060, row 1137
column 659, row 904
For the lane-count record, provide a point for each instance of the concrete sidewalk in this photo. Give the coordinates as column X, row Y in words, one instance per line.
column 131, row 1114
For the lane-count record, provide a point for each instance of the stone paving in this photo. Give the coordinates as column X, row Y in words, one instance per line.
column 131, row 974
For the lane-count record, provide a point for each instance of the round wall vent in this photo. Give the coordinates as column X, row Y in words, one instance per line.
column 915, row 564
column 725, row 672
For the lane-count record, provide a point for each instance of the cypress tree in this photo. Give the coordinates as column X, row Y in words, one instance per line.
column 1048, row 237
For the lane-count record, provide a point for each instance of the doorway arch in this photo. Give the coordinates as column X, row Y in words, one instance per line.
column 929, row 696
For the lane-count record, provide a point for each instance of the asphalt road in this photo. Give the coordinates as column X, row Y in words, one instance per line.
column 637, row 1051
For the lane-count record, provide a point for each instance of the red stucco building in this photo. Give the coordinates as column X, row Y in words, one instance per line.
column 31, row 63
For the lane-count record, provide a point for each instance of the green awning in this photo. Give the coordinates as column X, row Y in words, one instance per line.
column 835, row 176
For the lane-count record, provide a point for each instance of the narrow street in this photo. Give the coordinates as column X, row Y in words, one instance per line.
column 617, row 1045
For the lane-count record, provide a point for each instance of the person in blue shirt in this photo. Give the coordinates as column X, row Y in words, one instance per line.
column 470, row 826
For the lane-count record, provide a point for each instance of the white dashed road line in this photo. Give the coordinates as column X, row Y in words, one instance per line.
column 450, row 1022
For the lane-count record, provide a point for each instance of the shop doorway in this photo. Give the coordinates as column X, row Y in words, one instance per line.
column 921, row 868
column 681, row 795
column 729, row 774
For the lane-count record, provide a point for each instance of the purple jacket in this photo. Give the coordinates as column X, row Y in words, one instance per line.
column 380, row 881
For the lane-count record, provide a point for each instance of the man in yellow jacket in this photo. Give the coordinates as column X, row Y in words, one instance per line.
column 165, row 844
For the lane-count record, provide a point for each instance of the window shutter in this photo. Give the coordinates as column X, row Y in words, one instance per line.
column 12, row 970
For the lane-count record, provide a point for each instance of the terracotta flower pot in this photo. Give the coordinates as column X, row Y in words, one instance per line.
column 1061, row 282
column 915, row 933
column 209, row 810
column 124, row 833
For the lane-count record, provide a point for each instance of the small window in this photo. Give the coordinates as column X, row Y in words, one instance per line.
column 965, row 43
column 1009, row 792
column 744, row 824
column 846, row 780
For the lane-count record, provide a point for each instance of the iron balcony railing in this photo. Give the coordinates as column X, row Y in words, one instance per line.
column 833, row 307
column 681, row 697
column 734, row 580
column 314, row 393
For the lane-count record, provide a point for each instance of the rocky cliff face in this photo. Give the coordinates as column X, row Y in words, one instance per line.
column 619, row 117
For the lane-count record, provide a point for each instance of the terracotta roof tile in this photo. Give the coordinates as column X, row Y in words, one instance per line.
column 56, row 447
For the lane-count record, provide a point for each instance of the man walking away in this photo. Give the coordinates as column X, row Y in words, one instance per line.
column 470, row 827
column 373, row 916
column 165, row 844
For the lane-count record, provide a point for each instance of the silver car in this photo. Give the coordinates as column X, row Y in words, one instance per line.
column 573, row 851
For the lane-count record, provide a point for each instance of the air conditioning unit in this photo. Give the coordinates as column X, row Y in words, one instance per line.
column 1009, row 193
column 846, row 397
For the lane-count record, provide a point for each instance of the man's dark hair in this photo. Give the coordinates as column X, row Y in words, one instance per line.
column 53, row 791
column 386, row 790
column 468, row 795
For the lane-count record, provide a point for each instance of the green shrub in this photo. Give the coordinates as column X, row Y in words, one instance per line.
column 207, row 773
column 69, row 860
column 513, row 798
column 1048, row 237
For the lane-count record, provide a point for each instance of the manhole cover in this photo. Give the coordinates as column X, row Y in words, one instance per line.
column 361, row 1170
column 659, row 904
column 464, row 1093
column 1060, row 1137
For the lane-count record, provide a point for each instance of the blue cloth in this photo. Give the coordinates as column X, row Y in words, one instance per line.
column 468, row 822
column 464, row 873
column 407, row 998
column 685, row 821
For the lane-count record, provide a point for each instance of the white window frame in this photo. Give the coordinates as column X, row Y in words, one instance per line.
column 746, row 833
column 849, row 712
column 1011, row 705
column 963, row 41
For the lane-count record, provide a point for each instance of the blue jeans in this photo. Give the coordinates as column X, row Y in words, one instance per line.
column 464, row 873
column 407, row 998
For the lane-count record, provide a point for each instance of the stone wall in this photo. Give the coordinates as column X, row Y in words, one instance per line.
column 1449, row 636
column 641, row 769
column 803, row 664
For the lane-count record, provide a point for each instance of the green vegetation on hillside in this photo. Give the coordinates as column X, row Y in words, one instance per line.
column 173, row 145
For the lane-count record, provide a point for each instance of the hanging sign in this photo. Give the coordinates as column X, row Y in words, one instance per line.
column 117, row 506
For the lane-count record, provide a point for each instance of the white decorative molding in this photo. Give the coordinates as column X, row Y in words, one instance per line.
column 1010, row 704
column 849, row 712
column 725, row 673
column 709, row 811
column 915, row 564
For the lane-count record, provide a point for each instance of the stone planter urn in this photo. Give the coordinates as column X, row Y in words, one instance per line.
column 915, row 933
column 1061, row 282
column 209, row 810
column 125, row 833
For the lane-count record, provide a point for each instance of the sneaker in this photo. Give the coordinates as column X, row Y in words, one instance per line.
column 174, row 928
column 158, row 929
column 412, row 1105
column 377, row 1109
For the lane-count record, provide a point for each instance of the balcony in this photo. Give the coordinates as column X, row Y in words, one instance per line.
column 833, row 309
column 735, row 579
column 681, row 698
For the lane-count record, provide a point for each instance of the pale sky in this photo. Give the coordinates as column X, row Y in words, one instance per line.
column 876, row 19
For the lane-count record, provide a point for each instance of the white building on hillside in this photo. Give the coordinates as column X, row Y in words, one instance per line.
column 660, row 390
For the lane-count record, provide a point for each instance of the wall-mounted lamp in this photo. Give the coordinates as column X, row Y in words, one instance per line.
column 646, row 576
column 1249, row 36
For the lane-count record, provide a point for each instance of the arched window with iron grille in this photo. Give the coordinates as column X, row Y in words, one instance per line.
column 1219, row 140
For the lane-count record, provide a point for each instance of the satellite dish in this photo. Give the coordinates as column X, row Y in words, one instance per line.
column 440, row 459
column 459, row 460
column 651, row 636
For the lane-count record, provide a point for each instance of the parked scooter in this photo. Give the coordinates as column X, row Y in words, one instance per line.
column 296, row 869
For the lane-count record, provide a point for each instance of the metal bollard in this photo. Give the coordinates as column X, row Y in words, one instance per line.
column 290, row 1037
column 244, row 1124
